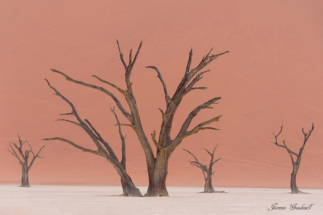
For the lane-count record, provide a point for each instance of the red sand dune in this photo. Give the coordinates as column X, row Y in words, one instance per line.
column 272, row 73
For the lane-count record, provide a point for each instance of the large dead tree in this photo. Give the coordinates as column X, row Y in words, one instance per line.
column 298, row 156
column 103, row 147
column 23, row 157
column 207, row 171
column 165, row 145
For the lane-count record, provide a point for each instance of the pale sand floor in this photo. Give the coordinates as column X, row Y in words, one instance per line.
column 97, row 200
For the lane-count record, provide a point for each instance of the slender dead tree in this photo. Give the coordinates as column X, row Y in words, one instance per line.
column 165, row 145
column 207, row 171
column 298, row 156
column 23, row 159
column 103, row 147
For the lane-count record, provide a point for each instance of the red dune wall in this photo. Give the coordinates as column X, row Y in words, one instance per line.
column 273, row 73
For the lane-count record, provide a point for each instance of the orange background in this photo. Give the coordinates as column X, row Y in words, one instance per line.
column 272, row 73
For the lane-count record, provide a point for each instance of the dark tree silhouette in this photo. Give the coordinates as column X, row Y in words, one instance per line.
column 207, row 171
column 298, row 156
column 165, row 145
column 103, row 147
column 23, row 157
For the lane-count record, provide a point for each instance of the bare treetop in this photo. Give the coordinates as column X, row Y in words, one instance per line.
column 206, row 170
column 23, row 157
column 296, row 163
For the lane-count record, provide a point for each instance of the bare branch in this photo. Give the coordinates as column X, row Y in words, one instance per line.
column 188, row 76
column 153, row 137
column 209, row 152
column 189, row 90
column 99, row 137
column 62, row 114
column 189, row 62
column 201, row 126
column 289, row 152
column 215, row 149
column 13, row 152
column 121, row 56
column 198, row 164
column 73, row 144
column 123, row 140
column 130, row 57
column 137, row 53
column 19, row 149
column 162, row 81
column 196, row 79
column 216, row 161
column 191, row 116
column 124, row 112
column 70, row 121
column 306, row 137
column 283, row 146
column 196, row 129
column 124, row 125
column 82, row 124
column 129, row 67
column 114, row 86
column 35, row 156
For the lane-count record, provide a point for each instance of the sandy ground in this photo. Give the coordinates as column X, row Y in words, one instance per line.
column 183, row 200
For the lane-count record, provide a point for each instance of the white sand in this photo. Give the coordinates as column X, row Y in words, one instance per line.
column 183, row 200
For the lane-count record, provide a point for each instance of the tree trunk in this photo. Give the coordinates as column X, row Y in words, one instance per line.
column 129, row 189
column 123, row 184
column 293, row 185
column 24, row 178
column 208, row 188
column 157, row 176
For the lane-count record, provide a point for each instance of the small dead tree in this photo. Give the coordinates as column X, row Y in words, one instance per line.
column 157, row 165
column 298, row 156
column 103, row 147
column 207, row 171
column 23, row 159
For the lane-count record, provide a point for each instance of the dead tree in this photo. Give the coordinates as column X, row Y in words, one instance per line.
column 23, row 159
column 103, row 147
column 207, row 171
column 165, row 145
column 298, row 156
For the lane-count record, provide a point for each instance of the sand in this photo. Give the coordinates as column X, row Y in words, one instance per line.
column 183, row 200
